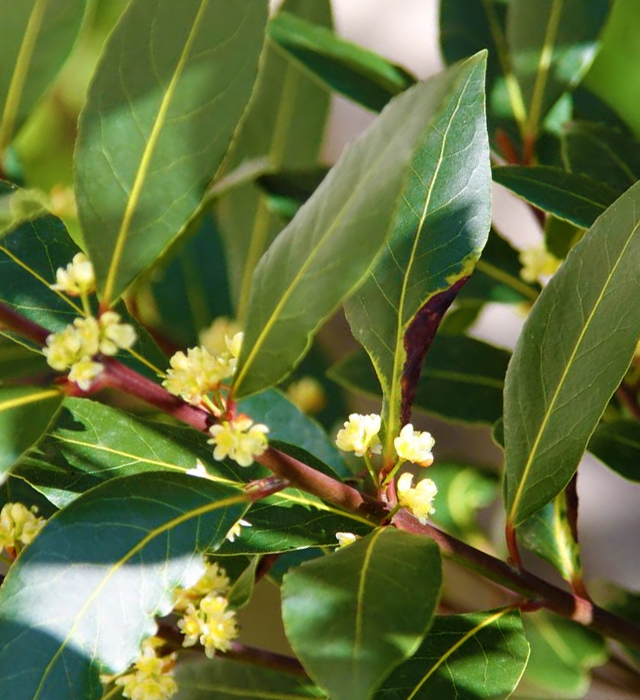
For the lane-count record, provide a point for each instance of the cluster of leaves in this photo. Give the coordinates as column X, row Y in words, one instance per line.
column 200, row 194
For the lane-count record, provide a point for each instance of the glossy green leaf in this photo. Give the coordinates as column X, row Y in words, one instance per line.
column 293, row 432
column 229, row 680
column 462, row 379
column 478, row 656
column 579, row 337
column 112, row 559
column 462, row 492
column 329, row 246
column 157, row 124
column 617, row 444
column 347, row 616
column 438, row 233
column 570, row 196
column 18, row 361
column 548, row 533
column 497, row 275
column 560, row 236
column 359, row 74
column 35, row 38
column 604, row 154
column 25, row 414
column 552, row 44
column 562, row 653
column 285, row 126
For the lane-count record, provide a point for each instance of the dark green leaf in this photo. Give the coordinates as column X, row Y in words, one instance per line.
column 560, row 236
column 293, row 432
column 548, row 533
column 285, row 126
column 570, row 196
column 552, row 44
column 617, row 444
column 361, row 75
column 462, row 379
column 459, row 320
column 587, row 106
column 562, row 653
column 329, row 246
column 25, row 414
column 242, row 587
column 35, row 38
column 230, row 680
column 497, row 275
column 438, row 233
column 462, row 492
column 15, row 490
column 112, row 559
column 604, row 154
column 18, row 361
column 157, row 124
column 478, row 656
column 347, row 615
column 577, row 342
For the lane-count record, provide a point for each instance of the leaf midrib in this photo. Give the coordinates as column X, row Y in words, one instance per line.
column 10, row 404
column 551, row 405
column 194, row 513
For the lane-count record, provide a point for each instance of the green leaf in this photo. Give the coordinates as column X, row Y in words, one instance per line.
column 462, row 379
column 15, row 490
column 359, row 74
column 604, row 154
column 478, row 656
column 112, row 559
column 560, row 236
column 347, row 615
column 229, row 680
column 562, row 653
column 552, row 44
column 438, row 233
column 285, row 126
column 291, row 431
column 36, row 36
column 569, row 196
column 242, row 588
column 548, row 533
column 157, row 124
column 579, row 338
column 497, row 275
column 18, row 361
column 25, row 414
column 326, row 250
column 462, row 492
column 617, row 444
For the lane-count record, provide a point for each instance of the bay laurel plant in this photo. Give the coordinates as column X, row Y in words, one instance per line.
column 172, row 431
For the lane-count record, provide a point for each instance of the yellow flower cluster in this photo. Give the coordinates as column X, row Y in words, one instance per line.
column 360, row 435
column 415, row 446
column 239, row 439
column 216, row 338
column 419, row 498
column 537, row 263
column 18, row 525
column 77, row 278
column 205, row 614
column 151, row 676
column 76, row 346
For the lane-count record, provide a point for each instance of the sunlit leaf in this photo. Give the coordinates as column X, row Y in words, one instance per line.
column 347, row 617
column 112, row 559
column 579, row 338
column 438, row 233
column 160, row 114
column 478, row 656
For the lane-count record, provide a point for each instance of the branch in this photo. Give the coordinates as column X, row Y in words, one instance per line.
column 13, row 321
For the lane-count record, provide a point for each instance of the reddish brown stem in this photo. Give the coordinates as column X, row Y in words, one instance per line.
column 511, row 538
column 13, row 321
column 629, row 400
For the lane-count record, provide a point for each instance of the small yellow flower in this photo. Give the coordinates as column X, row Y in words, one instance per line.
column 415, row 446
column 360, row 434
column 195, row 374
column 236, row 530
column 77, row 278
column 78, row 340
column 240, row 439
column 214, row 580
column 234, row 344
column 537, row 263
column 219, row 626
column 215, row 339
column 115, row 335
column 150, row 678
column 345, row 539
column 18, row 525
column 308, row 395
column 419, row 498
column 85, row 372
column 191, row 627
